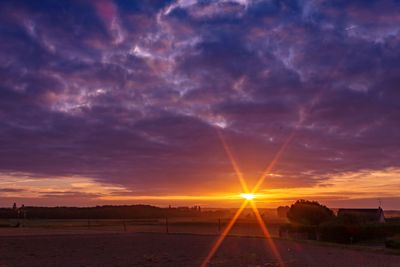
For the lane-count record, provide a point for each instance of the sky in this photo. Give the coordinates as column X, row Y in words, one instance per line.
column 125, row 102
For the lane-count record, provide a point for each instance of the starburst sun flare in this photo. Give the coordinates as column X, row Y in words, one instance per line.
column 248, row 196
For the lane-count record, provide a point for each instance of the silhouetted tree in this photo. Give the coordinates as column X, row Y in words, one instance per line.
column 309, row 213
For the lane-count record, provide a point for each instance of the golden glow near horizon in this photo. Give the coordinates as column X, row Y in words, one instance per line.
column 347, row 186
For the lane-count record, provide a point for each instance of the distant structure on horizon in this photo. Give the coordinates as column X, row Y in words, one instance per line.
column 369, row 215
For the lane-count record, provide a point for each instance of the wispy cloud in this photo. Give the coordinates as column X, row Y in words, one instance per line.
column 129, row 94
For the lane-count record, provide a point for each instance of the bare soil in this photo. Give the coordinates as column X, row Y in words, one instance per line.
column 157, row 249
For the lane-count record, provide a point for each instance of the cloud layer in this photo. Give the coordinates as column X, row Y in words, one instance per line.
column 131, row 93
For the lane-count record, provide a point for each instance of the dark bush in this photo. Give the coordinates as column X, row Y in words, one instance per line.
column 393, row 220
column 393, row 242
column 309, row 213
column 308, row 231
column 337, row 231
column 8, row 213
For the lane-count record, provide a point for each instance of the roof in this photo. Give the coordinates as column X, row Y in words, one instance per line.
column 370, row 214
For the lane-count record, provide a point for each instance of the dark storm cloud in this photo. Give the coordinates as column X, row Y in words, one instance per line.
column 132, row 92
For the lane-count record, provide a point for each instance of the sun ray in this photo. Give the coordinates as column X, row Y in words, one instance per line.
column 233, row 161
column 224, row 233
column 249, row 195
column 302, row 117
column 273, row 162
column 248, row 198
column 266, row 233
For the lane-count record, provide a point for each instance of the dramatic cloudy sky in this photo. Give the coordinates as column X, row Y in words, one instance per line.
column 122, row 101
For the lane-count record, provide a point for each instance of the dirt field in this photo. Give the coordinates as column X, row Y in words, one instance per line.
column 207, row 227
column 156, row 249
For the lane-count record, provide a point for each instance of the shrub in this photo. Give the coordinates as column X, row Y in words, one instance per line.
column 393, row 242
column 309, row 213
column 292, row 230
column 337, row 231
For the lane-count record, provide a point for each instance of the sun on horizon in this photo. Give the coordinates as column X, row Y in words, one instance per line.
column 248, row 196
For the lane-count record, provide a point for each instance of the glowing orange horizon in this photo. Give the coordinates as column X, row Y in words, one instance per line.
column 248, row 196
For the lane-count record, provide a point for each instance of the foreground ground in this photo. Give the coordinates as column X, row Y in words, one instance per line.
column 156, row 249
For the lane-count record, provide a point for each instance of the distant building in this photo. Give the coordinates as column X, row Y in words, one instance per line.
column 367, row 215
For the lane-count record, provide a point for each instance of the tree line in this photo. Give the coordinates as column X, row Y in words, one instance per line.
column 98, row 212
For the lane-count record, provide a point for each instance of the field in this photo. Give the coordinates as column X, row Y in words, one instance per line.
column 146, row 243
column 175, row 225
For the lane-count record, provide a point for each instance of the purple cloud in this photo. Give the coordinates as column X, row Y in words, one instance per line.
column 132, row 93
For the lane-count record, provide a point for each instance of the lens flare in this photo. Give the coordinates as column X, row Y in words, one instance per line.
column 248, row 196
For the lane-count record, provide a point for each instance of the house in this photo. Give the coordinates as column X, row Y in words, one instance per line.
column 367, row 215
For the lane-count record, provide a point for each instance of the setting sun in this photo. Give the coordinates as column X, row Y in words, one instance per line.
column 248, row 196
column 200, row 133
